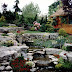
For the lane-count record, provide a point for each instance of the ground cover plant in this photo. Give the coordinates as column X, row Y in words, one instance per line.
column 19, row 65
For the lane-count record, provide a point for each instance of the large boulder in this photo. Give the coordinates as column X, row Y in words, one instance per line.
column 52, row 50
column 65, row 54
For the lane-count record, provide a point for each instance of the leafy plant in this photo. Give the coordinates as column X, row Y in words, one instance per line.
column 4, row 34
column 58, row 66
column 65, row 63
column 60, row 42
column 62, row 32
column 8, row 43
column 32, row 29
column 19, row 65
column 42, row 28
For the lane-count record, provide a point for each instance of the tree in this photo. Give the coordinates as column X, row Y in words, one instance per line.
column 4, row 6
column 53, row 8
column 35, row 19
column 17, row 9
column 9, row 16
column 29, row 12
column 42, row 20
column 67, row 6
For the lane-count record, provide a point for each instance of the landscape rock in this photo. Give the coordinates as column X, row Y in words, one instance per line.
column 69, row 55
column 2, row 68
column 5, row 64
column 52, row 51
column 8, row 68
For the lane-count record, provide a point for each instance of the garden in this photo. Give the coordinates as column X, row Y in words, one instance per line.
column 33, row 43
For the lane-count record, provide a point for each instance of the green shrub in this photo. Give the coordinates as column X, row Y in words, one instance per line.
column 65, row 63
column 2, row 19
column 64, row 47
column 62, row 32
column 49, row 28
column 19, row 65
column 32, row 29
column 4, row 34
column 42, row 28
column 56, row 29
column 58, row 66
column 8, row 43
column 67, row 48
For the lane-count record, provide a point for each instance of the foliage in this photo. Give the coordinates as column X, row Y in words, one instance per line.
column 62, row 32
column 30, row 63
column 2, row 19
column 65, row 64
column 3, row 24
column 32, row 29
column 58, row 66
column 69, row 39
column 54, row 22
column 49, row 28
column 64, row 47
column 42, row 43
column 9, row 16
column 4, row 6
column 53, row 8
column 67, row 5
column 63, row 19
column 17, row 9
column 19, row 65
column 42, row 28
column 29, row 12
column 8, row 43
column 67, row 48
column 59, row 42
column 50, row 20
column 4, row 34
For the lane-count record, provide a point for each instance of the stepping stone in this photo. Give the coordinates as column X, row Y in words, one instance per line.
column 2, row 68
column 54, row 59
column 8, row 68
column 29, row 54
column 55, row 63
column 30, row 51
column 30, row 58
column 33, row 69
column 51, row 56
column 5, row 64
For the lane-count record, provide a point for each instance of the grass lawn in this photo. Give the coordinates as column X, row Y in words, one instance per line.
column 34, row 32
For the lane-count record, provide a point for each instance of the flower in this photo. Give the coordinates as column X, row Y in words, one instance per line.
column 18, row 31
column 65, row 54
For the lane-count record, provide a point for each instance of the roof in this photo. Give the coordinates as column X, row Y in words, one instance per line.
column 59, row 12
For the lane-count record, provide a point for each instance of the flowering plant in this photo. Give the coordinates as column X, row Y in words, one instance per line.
column 36, row 25
column 56, row 55
column 19, row 65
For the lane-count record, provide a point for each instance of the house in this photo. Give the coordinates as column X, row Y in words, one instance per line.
column 68, row 18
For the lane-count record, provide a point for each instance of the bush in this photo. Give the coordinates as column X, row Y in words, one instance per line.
column 2, row 19
column 64, row 47
column 62, row 32
column 19, row 65
column 3, row 24
column 58, row 66
column 65, row 63
column 49, row 28
column 42, row 28
column 56, row 29
column 4, row 34
column 32, row 29
column 8, row 43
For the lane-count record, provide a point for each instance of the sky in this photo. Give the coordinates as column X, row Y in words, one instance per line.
column 43, row 4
